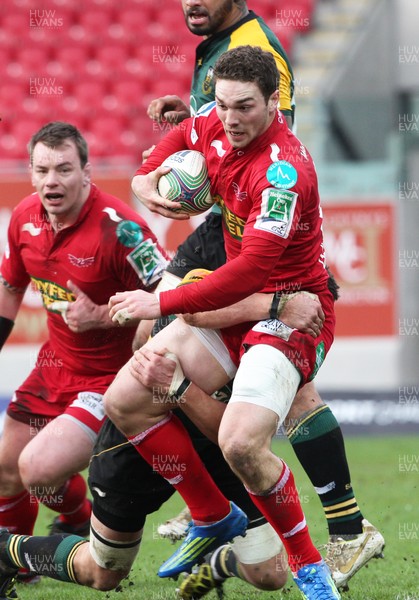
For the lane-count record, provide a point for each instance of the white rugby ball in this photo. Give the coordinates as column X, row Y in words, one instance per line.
column 187, row 182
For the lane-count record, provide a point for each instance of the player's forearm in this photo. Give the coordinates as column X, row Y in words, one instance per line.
column 254, row 308
column 203, row 410
column 100, row 318
column 10, row 301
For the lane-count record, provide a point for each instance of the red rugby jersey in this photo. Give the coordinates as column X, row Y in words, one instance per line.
column 110, row 248
column 271, row 213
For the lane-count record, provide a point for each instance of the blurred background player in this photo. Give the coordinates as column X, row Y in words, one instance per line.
column 77, row 246
column 311, row 427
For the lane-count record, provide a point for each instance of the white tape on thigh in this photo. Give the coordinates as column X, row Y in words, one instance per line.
column 112, row 557
column 267, row 378
column 178, row 375
column 260, row 544
column 213, row 342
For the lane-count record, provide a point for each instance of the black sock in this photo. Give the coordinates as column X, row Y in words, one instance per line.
column 224, row 563
column 317, row 441
column 51, row 556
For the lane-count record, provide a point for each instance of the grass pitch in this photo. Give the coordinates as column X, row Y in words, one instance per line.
column 385, row 476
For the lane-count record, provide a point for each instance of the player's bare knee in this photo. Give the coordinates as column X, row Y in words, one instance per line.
column 265, row 576
column 105, row 580
column 28, row 471
column 239, row 453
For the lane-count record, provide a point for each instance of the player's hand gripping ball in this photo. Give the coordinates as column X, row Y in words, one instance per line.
column 187, row 182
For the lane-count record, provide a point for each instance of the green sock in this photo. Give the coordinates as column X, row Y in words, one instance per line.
column 318, row 442
column 51, row 556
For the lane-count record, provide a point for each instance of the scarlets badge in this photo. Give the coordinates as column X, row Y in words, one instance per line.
column 281, row 174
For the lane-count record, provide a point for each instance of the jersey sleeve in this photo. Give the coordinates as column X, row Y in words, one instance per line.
column 12, row 268
column 232, row 282
column 138, row 260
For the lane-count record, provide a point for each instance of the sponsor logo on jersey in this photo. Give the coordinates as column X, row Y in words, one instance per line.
column 148, row 262
column 80, row 261
column 92, row 402
column 129, row 233
column 320, row 354
column 274, row 327
column 52, row 292
column 233, row 223
column 277, row 211
column 282, row 175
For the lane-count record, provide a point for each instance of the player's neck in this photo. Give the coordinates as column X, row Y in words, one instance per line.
column 234, row 17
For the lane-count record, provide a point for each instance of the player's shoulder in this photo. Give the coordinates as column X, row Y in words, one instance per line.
column 31, row 200
column 118, row 216
column 113, row 206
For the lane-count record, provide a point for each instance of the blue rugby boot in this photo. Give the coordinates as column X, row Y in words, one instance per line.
column 315, row 582
column 202, row 539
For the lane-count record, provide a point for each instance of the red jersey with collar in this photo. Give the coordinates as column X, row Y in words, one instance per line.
column 271, row 214
column 110, row 248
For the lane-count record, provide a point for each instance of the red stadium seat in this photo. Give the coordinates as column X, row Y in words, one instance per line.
column 95, row 24
column 32, row 60
column 125, row 99
column 16, row 22
column 90, row 95
column 14, row 145
column 133, row 23
column 12, row 94
column 69, row 61
column 111, row 58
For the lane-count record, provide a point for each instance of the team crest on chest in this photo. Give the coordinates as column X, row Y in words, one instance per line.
column 81, row 261
column 207, row 84
column 239, row 194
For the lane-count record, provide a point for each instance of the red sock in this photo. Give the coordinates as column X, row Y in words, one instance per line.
column 167, row 447
column 18, row 513
column 70, row 500
column 281, row 507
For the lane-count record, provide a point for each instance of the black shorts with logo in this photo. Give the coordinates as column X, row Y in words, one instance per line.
column 125, row 489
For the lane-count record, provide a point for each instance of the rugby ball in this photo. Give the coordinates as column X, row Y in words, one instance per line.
column 187, row 182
